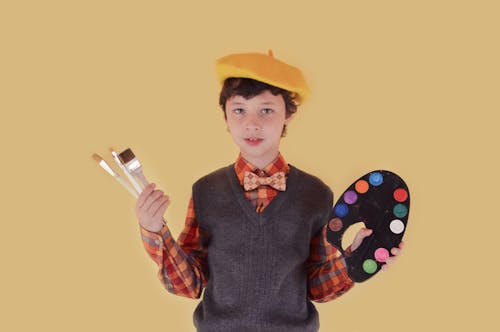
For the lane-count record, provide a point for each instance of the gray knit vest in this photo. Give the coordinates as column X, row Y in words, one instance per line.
column 257, row 277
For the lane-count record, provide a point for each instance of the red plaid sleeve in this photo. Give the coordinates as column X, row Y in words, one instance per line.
column 182, row 263
column 327, row 271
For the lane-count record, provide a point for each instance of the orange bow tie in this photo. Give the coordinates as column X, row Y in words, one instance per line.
column 252, row 181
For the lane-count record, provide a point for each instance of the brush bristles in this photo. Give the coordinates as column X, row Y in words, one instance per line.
column 126, row 156
column 97, row 157
column 104, row 164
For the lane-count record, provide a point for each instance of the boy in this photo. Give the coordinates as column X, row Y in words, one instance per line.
column 255, row 232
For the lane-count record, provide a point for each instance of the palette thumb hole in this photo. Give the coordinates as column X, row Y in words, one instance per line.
column 381, row 200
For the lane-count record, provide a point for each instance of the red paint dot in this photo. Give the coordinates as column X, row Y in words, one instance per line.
column 400, row 195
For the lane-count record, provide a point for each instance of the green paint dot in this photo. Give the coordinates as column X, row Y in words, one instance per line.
column 400, row 210
column 369, row 266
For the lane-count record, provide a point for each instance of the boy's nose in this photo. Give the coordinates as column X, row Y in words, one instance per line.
column 252, row 124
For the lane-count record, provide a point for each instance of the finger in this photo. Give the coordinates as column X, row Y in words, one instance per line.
column 401, row 245
column 150, row 206
column 390, row 260
column 395, row 251
column 358, row 239
column 385, row 267
column 156, row 205
column 367, row 231
column 364, row 232
column 145, row 208
column 145, row 194
column 162, row 208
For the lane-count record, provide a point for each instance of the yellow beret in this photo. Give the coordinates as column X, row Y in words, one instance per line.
column 263, row 68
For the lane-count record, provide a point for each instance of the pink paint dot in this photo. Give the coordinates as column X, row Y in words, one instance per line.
column 381, row 254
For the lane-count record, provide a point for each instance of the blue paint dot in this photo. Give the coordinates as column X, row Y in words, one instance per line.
column 341, row 210
column 376, row 179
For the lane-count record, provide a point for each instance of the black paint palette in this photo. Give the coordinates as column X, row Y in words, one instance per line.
column 381, row 200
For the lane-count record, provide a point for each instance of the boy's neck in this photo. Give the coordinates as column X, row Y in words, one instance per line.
column 260, row 162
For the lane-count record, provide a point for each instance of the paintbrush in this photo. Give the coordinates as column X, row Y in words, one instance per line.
column 114, row 174
column 126, row 171
column 133, row 165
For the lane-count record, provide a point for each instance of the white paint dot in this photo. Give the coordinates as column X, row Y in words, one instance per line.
column 397, row 226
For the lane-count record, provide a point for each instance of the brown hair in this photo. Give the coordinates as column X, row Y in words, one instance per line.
column 248, row 88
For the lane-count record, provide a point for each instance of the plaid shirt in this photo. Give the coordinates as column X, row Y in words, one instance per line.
column 183, row 264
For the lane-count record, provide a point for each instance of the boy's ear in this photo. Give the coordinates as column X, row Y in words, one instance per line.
column 289, row 118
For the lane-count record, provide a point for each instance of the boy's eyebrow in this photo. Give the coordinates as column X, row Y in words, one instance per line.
column 240, row 103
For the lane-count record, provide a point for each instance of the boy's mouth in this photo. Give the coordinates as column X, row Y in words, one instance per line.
column 253, row 141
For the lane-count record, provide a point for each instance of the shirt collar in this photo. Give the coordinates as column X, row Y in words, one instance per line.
column 277, row 165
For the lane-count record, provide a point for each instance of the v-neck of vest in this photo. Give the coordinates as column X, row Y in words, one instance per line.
column 247, row 206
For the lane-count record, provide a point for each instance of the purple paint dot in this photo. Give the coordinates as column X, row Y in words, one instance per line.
column 350, row 197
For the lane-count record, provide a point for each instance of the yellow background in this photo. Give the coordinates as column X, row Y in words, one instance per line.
column 409, row 86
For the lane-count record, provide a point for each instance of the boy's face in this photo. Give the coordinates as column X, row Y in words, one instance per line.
column 256, row 125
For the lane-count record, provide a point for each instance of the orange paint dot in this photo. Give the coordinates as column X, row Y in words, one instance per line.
column 361, row 186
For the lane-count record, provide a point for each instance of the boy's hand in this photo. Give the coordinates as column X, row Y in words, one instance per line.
column 395, row 251
column 150, row 207
column 364, row 232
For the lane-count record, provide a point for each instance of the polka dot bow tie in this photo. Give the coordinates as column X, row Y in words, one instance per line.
column 276, row 181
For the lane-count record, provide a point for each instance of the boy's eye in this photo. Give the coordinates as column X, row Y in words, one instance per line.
column 238, row 110
column 267, row 110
